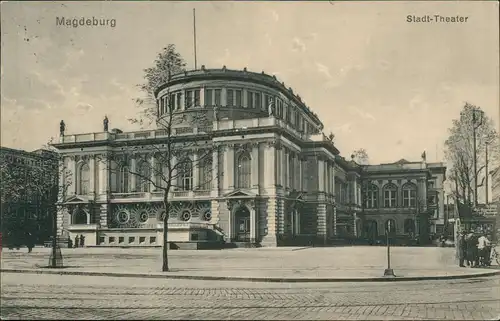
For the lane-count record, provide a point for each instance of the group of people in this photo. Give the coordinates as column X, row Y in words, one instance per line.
column 79, row 242
column 474, row 249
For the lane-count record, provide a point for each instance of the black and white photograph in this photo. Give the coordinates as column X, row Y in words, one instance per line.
column 250, row 160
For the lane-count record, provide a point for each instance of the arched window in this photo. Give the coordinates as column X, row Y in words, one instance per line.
column 390, row 195
column 143, row 179
column 84, row 179
column 186, row 174
column 390, row 225
column 124, row 175
column 409, row 195
column 371, row 196
column 244, row 171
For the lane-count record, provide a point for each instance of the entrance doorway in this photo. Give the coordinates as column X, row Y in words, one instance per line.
column 242, row 224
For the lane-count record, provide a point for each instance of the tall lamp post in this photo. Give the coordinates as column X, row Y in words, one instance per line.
column 388, row 272
column 474, row 129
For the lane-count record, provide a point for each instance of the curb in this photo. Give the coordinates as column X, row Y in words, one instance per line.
column 254, row 279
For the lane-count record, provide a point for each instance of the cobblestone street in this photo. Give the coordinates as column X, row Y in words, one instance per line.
column 26, row 296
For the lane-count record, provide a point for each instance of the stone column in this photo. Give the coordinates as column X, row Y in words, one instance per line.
column 301, row 173
column 253, row 221
column 132, row 177
column 73, row 189
column 255, row 166
column 229, row 169
column 215, row 171
column 287, row 169
column 283, row 167
column 321, row 175
column 270, row 165
column 92, row 174
column 196, row 171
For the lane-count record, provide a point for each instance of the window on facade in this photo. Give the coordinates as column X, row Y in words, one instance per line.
column 178, row 101
column 258, row 101
column 143, row 178
column 217, row 94
column 371, row 196
column 188, row 99
column 205, row 173
column 171, row 102
column 229, row 98
column 390, row 195
column 209, row 97
column 238, row 98
column 249, row 99
column 162, row 106
column 186, row 171
column 243, row 171
column 84, row 179
column 197, row 98
column 123, row 187
column 409, row 195
column 279, row 104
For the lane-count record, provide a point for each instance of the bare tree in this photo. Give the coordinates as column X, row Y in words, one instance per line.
column 168, row 62
column 460, row 151
column 167, row 163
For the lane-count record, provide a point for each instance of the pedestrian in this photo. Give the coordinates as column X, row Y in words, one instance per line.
column 482, row 246
column 70, row 243
column 29, row 242
column 82, row 240
column 77, row 241
column 462, row 249
column 471, row 248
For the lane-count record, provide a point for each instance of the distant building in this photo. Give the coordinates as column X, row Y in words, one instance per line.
column 279, row 180
column 25, row 206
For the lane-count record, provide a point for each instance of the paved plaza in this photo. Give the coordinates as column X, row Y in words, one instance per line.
column 287, row 263
column 30, row 296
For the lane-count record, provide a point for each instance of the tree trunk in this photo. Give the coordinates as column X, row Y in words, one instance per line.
column 165, row 238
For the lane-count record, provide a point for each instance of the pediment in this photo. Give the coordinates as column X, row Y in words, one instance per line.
column 240, row 193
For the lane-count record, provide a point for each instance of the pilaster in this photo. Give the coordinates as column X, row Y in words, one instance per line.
column 103, row 215
column 270, row 237
column 92, row 174
column 255, row 166
column 283, row 166
column 270, row 165
column 152, row 186
column 196, row 170
column 74, row 183
column 215, row 172
column 229, row 167
column 321, row 175
column 321, row 228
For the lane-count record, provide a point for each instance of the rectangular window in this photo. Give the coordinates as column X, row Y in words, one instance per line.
column 131, row 239
column 111, row 239
column 249, row 99
column 188, row 101
column 229, row 95
column 101, row 240
column 209, row 97
column 217, row 97
column 238, row 98
column 152, row 239
column 409, row 198
column 121, row 239
column 258, row 101
column 178, row 106
column 197, row 98
column 390, row 198
column 171, row 103
column 142, row 239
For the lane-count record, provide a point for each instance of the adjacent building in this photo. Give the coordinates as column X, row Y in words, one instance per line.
column 276, row 178
column 29, row 187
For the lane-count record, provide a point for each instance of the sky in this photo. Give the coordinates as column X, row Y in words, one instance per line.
column 375, row 80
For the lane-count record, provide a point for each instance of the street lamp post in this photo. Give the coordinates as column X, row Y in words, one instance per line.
column 388, row 272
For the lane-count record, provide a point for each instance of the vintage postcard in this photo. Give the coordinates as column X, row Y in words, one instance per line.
column 262, row 160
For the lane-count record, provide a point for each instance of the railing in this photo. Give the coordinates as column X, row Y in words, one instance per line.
column 128, row 195
column 180, row 193
column 79, row 227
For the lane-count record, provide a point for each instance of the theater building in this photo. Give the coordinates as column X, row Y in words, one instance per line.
column 277, row 179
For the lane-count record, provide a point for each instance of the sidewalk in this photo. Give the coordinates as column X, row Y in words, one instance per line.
column 266, row 265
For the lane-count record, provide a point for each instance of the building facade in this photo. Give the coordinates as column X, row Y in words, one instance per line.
column 29, row 193
column 275, row 178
